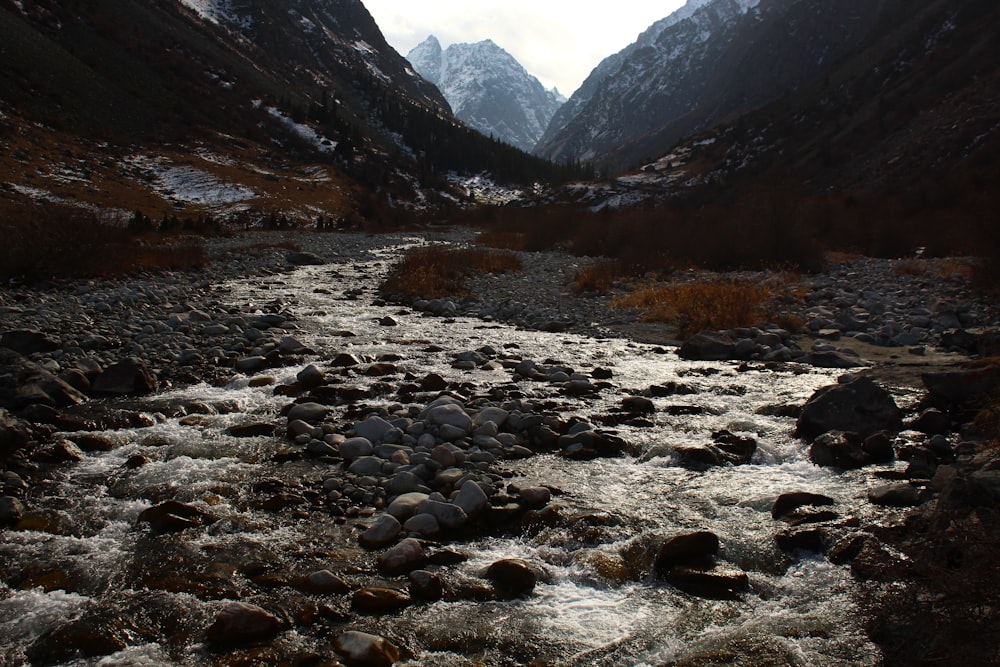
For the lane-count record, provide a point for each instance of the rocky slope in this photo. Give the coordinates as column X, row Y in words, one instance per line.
column 488, row 89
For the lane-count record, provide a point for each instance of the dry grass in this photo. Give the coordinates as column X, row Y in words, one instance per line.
column 502, row 240
column 600, row 277
column 694, row 307
column 438, row 271
column 51, row 241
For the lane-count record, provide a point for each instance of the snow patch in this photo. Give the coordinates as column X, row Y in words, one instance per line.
column 216, row 11
column 185, row 184
column 320, row 142
column 485, row 190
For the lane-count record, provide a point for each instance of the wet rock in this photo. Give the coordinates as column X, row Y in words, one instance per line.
column 366, row 465
column 173, row 516
column 834, row 359
column 694, row 549
column 403, row 558
column 587, row 445
column 638, row 405
column 534, row 496
column 739, row 449
column 847, row 548
column 426, row 585
column 253, row 430
column 126, row 378
column 718, row 582
column 859, row 406
column 787, row 503
column 93, row 443
column 708, row 346
column 380, row 601
column 382, row 533
column 241, row 624
column 449, row 414
column 311, row 413
column 323, row 582
column 838, row 449
column 11, row 511
column 931, row 422
column 60, row 451
column 878, row 448
column 813, row 540
column 86, row 637
column 360, row 649
column 512, row 577
column 345, row 360
column 374, row 428
column 354, row 448
column 251, row 365
column 895, row 495
column 310, row 377
column 14, row 434
column 423, row 525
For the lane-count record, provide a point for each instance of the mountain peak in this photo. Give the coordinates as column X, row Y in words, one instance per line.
column 488, row 89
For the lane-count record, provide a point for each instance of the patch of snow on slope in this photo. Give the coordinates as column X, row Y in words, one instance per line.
column 186, row 185
column 485, row 190
column 216, row 11
column 305, row 132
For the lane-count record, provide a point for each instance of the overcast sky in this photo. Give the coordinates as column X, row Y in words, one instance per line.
column 558, row 41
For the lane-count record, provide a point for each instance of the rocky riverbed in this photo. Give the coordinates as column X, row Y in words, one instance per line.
column 266, row 462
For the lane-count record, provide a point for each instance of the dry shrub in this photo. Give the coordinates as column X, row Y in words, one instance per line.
column 502, row 240
column 438, row 271
column 694, row 307
column 599, row 277
column 50, row 241
column 910, row 267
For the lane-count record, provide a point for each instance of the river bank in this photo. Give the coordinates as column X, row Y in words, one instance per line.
column 276, row 394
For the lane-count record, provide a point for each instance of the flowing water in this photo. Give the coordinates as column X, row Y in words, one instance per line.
column 81, row 562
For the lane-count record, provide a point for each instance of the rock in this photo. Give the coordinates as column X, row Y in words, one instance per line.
column 323, row 582
column 472, row 499
column 291, row 345
column 11, row 511
column 60, row 451
column 895, row 495
column 310, row 377
column 694, row 549
column 931, row 422
column 311, row 413
column 424, row 525
column 405, row 505
column 129, row 377
column 953, row 388
column 512, row 577
column 450, row 516
column 379, row 601
column 304, row 259
column 847, row 549
column 252, row 430
column 403, row 558
column 451, row 415
column 366, row 465
column 345, row 360
column 838, row 449
column 878, row 448
column 834, row 359
column 587, row 445
column 426, row 585
column 173, row 516
column 811, row 539
column 638, row 405
column 382, row 533
column 356, row 447
column 787, row 503
column 374, row 428
column 534, row 496
column 708, row 346
column 360, row 649
column 739, row 450
column 251, row 365
column 719, row 582
column 388, row 321
column 241, row 624
column 14, row 434
column 28, row 341
column 859, row 406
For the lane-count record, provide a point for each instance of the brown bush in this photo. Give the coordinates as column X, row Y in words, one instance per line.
column 438, row 271
column 62, row 241
column 694, row 307
column 600, row 277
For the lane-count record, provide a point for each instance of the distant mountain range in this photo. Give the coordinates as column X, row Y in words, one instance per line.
column 489, row 90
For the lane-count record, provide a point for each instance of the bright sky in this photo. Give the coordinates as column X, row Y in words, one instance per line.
column 558, row 41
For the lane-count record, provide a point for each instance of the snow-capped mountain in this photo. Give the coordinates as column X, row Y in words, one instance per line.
column 488, row 89
column 710, row 61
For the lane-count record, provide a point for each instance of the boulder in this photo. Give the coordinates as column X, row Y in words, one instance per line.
column 173, row 516
column 426, row 585
column 586, row 445
column 692, row 549
column 708, row 346
column 323, row 582
column 28, row 341
column 311, row 413
column 787, row 503
column 403, row 558
column 931, row 422
column 310, row 377
column 961, row 387
column 360, row 649
column 241, row 624
column 304, row 259
column 405, row 505
column 719, row 582
column 450, row 516
column 838, row 449
column 129, row 377
column 11, row 511
column 451, row 415
column 379, row 601
column 895, row 495
column 859, row 406
column 354, row 448
column 512, row 577
column 472, row 499
column 834, row 359
column 382, row 533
